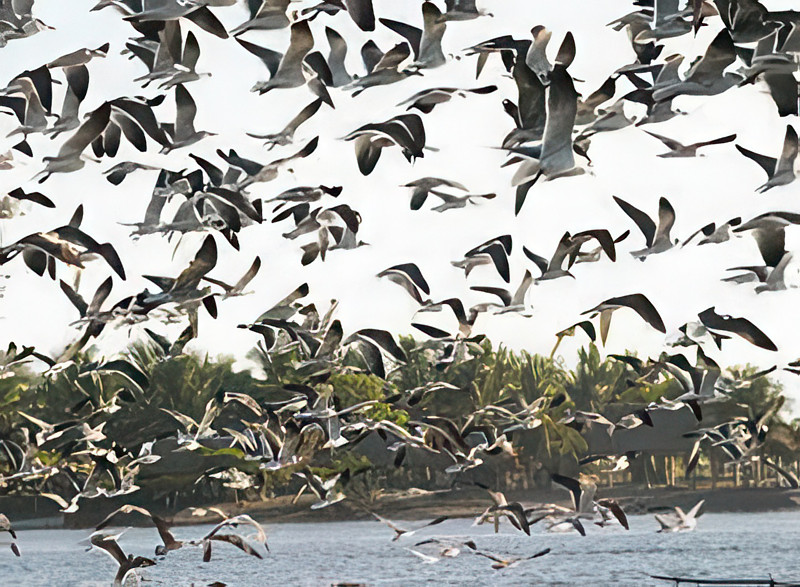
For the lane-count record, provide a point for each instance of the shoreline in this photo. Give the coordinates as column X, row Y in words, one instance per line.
column 40, row 513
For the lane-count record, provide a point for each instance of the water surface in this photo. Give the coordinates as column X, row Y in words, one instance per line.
column 729, row 545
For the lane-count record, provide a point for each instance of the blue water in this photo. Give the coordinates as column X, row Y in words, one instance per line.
column 730, row 545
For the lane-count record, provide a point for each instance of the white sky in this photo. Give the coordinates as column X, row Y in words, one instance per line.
column 680, row 283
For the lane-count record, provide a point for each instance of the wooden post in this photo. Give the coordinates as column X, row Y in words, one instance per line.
column 712, row 462
column 496, row 522
column 672, row 468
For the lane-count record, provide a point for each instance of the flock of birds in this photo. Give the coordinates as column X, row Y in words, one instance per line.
column 552, row 127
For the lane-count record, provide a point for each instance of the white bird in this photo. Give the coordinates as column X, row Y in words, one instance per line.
column 680, row 521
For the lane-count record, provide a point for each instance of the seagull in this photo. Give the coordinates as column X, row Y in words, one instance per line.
column 657, row 239
column 286, row 136
column 127, row 563
column 680, row 521
column 495, row 252
column 69, row 155
column 426, row 558
column 35, row 197
column 406, row 131
column 513, row 511
column 779, row 171
column 169, row 541
column 740, row 326
column 769, row 231
column 403, row 531
column 510, row 303
column 237, row 289
column 234, row 539
column 462, row 10
column 237, row 540
column 264, row 15
column 426, row 100
column 68, row 244
column 183, row 133
column 336, row 58
column 553, row 269
column 287, row 69
column 448, row 547
column 715, row 234
column 584, row 504
column 5, row 526
column 91, row 312
column 410, row 278
column 451, row 202
column 678, row 149
column 637, row 302
column 263, row 172
column 508, row 563
column 775, row 280
column 424, row 186
column 324, row 490
column 426, row 43
column 707, row 75
column 117, row 174
column 382, row 68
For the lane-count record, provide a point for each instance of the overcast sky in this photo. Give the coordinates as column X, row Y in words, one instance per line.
column 680, row 282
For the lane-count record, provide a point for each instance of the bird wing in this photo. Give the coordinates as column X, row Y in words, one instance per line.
column 389, row 523
column 503, row 294
column 719, row 141
column 540, row 261
column 741, row 326
column 109, row 545
column 768, row 164
column 789, row 152
column 562, row 108
column 239, row 542
column 191, row 52
column 302, row 116
column 204, row 261
column 615, row 509
column 666, row 219
column 671, row 143
column 425, row 557
column 538, row 554
column 603, row 237
column 100, row 296
column 362, row 13
column 75, row 298
column 411, row 33
column 720, row 54
column 642, row 220
column 88, row 132
column 268, row 57
column 186, row 111
column 516, row 510
column 412, row 272
column 163, row 531
column 642, row 306
column 572, row 485
column 500, row 259
column 790, row 477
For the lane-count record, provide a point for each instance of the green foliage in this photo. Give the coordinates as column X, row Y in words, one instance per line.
column 353, row 388
column 595, row 382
